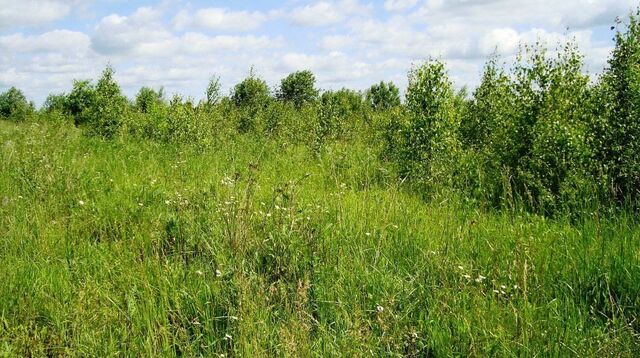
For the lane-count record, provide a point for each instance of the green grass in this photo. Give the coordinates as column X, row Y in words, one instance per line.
column 254, row 248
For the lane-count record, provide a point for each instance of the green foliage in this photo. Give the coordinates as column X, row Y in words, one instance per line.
column 252, row 92
column 255, row 248
column 427, row 144
column 615, row 130
column 80, row 101
column 383, row 96
column 214, row 91
column 55, row 103
column 251, row 96
column 14, row 105
column 106, row 112
column 338, row 115
column 298, row 88
column 489, row 107
column 147, row 99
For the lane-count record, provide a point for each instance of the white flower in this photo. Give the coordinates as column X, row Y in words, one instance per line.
column 480, row 278
column 379, row 308
column 218, row 273
column 81, row 202
column 199, row 273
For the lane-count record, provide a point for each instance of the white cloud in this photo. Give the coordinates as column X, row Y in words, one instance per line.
column 32, row 12
column 324, row 13
column 179, row 46
column 220, row 19
column 502, row 40
column 399, row 5
column 64, row 41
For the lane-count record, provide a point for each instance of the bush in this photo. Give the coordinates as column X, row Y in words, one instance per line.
column 339, row 113
column 14, row 105
column 383, row 96
column 55, row 103
column 252, row 92
column 298, row 88
column 147, row 99
column 107, row 111
column 615, row 139
column 527, row 133
column 80, row 101
column 251, row 96
column 428, row 141
column 214, row 93
column 490, row 107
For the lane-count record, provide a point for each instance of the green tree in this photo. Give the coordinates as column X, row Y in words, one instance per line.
column 80, row 100
column 383, row 96
column 14, row 105
column 251, row 96
column 214, row 93
column 148, row 98
column 430, row 136
column 298, row 88
column 55, row 102
column 615, row 139
column 108, row 109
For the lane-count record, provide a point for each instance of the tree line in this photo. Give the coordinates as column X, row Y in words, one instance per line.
column 538, row 133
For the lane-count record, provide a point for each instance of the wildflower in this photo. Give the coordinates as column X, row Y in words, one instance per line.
column 480, row 278
column 81, row 202
column 218, row 273
column 468, row 277
column 367, row 233
column 167, row 202
column 227, row 337
column 199, row 273
column 379, row 308
column 460, row 268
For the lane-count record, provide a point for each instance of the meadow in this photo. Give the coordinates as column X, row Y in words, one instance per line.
column 292, row 222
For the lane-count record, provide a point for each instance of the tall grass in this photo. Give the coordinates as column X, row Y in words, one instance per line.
column 503, row 224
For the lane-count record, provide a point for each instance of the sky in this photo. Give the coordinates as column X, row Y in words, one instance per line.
column 179, row 45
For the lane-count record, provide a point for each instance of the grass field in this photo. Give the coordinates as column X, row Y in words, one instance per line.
column 254, row 248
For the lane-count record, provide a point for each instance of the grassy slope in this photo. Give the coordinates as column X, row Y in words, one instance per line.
column 253, row 249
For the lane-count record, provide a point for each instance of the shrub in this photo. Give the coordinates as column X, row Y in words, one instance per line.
column 298, row 88
column 615, row 139
column 528, row 132
column 383, row 96
column 339, row 111
column 14, row 105
column 214, row 93
column 148, row 98
column 251, row 96
column 54, row 103
column 429, row 139
column 252, row 92
column 109, row 106
column 489, row 107
column 80, row 100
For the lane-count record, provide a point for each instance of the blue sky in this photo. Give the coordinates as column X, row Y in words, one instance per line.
column 178, row 45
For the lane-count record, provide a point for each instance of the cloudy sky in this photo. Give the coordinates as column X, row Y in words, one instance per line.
column 178, row 44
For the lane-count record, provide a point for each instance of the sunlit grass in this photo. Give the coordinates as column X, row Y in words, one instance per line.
column 254, row 248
